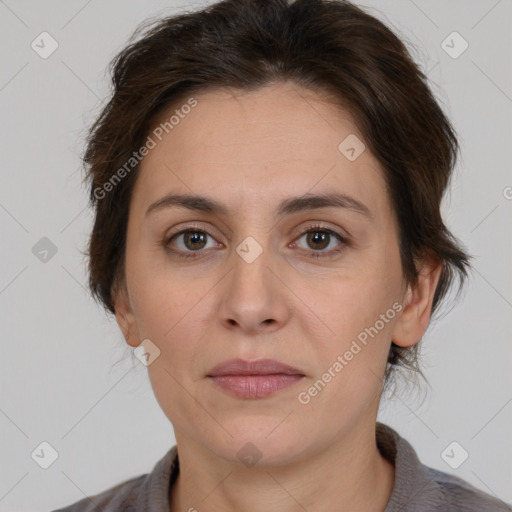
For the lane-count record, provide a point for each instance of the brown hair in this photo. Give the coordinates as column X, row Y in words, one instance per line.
column 329, row 46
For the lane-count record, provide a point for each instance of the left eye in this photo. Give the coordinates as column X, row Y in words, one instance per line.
column 319, row 239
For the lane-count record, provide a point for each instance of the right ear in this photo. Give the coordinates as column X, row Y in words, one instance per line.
column 124, row 315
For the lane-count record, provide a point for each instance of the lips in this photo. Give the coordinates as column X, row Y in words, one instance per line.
column 254, row 379
column 259, row 367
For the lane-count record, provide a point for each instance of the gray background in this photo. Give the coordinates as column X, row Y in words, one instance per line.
column 65, row 372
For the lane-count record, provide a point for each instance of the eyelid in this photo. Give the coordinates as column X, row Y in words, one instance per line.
column 191, row 227
column 318, row 224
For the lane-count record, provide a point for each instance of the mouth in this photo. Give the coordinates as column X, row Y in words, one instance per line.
column 254, row 379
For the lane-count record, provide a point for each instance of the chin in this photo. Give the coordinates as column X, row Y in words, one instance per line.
column 256, row 441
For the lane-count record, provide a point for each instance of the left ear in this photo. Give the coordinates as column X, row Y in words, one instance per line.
column 417, row 305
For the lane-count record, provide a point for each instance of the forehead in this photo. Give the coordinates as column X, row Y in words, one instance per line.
column 254, row 148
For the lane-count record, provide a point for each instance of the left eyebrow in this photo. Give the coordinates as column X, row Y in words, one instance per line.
column 287, row 207
column 326, row 200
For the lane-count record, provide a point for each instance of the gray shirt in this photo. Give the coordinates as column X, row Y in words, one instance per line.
column 417, row 488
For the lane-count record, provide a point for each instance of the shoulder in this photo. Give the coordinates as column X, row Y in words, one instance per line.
column 119, row 498
column 461, row 496
column 420, row 488
column 143, row 493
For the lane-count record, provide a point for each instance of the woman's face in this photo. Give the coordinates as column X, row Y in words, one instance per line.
column 251, row 286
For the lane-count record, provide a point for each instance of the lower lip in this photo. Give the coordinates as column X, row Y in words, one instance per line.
column 255, row 386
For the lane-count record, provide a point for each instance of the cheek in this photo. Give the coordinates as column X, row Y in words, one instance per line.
column 169, row 315
column 174, row 318
column 164, row 296
column 175, row 311
column 358, row 298
column 352, row 361
column 360, row 308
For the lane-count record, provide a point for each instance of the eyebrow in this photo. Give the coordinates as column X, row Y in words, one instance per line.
column 287, row 207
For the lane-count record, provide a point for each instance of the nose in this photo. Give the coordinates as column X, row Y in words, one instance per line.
column 254, row 296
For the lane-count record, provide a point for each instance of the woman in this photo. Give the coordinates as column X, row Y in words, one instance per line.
column 267, row 181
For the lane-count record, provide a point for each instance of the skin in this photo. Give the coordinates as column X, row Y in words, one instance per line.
column 250, row 151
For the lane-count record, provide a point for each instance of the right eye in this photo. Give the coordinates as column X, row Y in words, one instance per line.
column 190, row 242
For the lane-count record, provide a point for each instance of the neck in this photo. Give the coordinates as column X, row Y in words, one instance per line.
column 349, row 474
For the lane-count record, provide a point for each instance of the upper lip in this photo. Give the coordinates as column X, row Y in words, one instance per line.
column 259, row 367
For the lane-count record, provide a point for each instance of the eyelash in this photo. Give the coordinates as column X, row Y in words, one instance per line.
column 313, row 254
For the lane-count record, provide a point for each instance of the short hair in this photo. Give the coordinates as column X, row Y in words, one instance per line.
column 329, row 46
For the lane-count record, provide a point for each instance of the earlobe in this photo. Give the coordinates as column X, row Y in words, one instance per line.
column 417, row 306
column 124, row 316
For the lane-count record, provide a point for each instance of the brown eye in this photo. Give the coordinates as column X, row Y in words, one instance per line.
column 194, row 240
column 318, row 239
column 189, row 243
